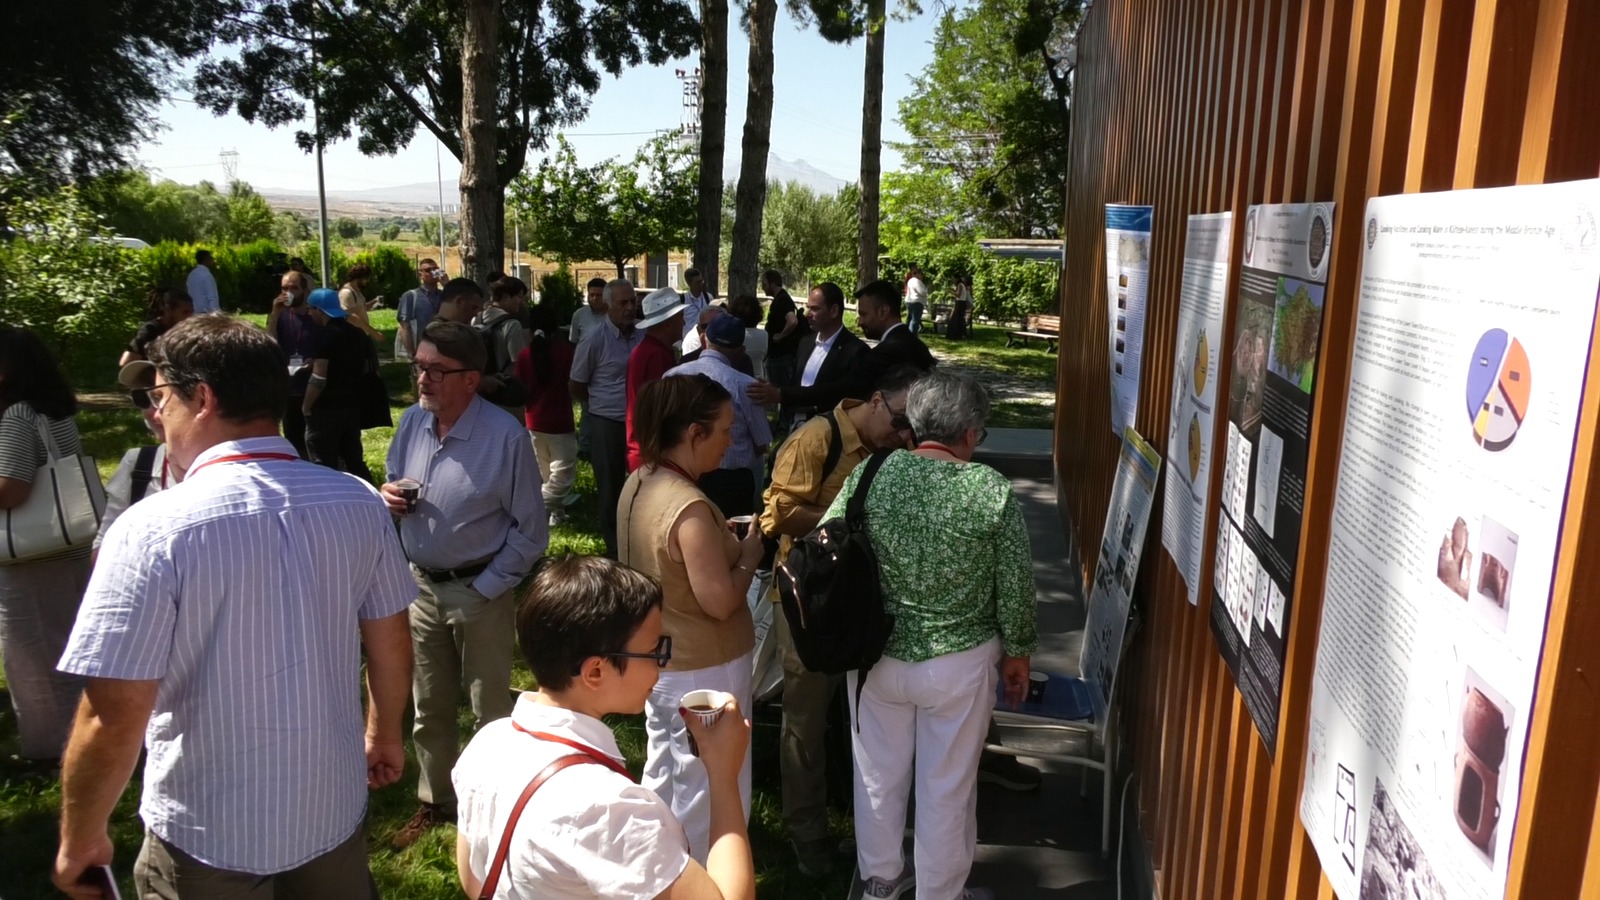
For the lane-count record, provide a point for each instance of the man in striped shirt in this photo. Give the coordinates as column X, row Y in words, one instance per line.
column 223, row 629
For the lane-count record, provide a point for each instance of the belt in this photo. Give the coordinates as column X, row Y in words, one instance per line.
column 439, row 576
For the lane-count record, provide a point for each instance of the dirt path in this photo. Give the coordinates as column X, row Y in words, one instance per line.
column 1006, row 386
column 102, row 401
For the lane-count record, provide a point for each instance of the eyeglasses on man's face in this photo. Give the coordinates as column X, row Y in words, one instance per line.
column 435, row 374
column 140, row 397
column 159, row 396
column 662, row 654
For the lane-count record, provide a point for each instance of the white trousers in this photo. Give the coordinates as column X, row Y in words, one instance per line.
column 676, row 775
column 558, row 465
column 940, row 707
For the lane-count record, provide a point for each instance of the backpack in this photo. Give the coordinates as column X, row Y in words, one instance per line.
column 511, row 392
column 144, row 471
column 831, row 592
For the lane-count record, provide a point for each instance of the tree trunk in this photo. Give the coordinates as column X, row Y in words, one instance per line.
column 713, row 137
column 871, row 142
column 482, row 198
column 750, row 200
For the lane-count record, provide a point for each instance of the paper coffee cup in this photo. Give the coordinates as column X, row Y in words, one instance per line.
column 1036, row 686
column 409, row 488
column 707, row 705
column 741, row 525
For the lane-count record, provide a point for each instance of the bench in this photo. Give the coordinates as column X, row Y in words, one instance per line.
column 938, row 318
column 1037, row 328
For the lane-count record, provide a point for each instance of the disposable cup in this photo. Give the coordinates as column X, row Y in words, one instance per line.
column 707, row 705
column 741, row 525
column 1036, row 686
column 409, row 488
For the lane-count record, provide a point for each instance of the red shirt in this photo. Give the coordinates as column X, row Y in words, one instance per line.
column 548, row 409
column 648, row 361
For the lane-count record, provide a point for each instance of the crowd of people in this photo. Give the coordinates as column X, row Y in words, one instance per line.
column 222, row 618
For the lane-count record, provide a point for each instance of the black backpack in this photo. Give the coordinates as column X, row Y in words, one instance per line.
column 831, row 594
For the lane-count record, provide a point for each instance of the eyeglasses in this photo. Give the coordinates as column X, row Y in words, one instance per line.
column 898, row 420
column 983, row 435
column 429, row 271
column 141, row 397
column 434, row 375
column 662, row 654
column 158, row 402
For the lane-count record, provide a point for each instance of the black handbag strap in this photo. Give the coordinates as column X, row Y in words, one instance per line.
column 855, row 512
column 144, row 471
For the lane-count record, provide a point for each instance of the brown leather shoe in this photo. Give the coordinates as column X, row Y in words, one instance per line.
column 427, row 817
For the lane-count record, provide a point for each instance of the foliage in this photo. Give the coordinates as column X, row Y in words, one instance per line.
column 430, row 232
column 63, row 278
column 83, row 81
column 842, row 274
column 1010, row 289
column 392, row 273
column 247, row 275
column 389, row 233
column 348, row 228
column 802, row 230
column 988, row 130
column 291, row 228
column 154, row 211
column 249, row 217
column 612, row 210
column 559, row 291
column 381, row 68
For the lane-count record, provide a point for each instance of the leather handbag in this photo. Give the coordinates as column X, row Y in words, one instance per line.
column 62, row 512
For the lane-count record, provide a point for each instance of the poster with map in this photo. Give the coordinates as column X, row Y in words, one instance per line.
column 1276, row 343
column 1471, row 346
column 1194, row 393
column 1127, row 286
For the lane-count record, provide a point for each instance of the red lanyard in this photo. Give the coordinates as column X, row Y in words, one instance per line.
column 240, row 457
column 667, row 463
column 585, row 749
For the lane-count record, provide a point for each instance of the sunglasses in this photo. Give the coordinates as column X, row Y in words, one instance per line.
column 662, row 654
column 141, row 397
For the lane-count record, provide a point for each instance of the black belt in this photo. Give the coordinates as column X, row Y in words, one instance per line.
column 439, row 576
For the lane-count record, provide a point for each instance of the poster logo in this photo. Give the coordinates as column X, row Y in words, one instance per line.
column 1317, row 240
column 1499, row 388
column 1372, row 232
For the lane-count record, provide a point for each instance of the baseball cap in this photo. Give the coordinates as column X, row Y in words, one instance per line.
column 141, row 373
column 326, row 300
column 726, row 331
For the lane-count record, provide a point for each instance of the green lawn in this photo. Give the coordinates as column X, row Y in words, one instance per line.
column 29, row 801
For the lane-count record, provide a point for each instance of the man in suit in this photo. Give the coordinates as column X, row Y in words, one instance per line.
column 878, row 314
column 832, row 363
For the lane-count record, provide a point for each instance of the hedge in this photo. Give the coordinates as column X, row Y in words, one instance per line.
column 248, row 275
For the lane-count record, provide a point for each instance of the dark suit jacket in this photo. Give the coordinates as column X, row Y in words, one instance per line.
column 901, row 348
column 845, row 372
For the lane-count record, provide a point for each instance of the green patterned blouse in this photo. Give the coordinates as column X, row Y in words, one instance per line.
column 953, row 550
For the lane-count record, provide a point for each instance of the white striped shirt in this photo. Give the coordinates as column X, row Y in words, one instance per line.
column 240, row 591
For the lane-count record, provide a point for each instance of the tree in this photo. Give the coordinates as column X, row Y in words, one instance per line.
column 613, row 210
column 987, row 121
column 430, row 231
column 389, row 233
column 751, row 196
column 82, row 81
column 290, row 228
column 801, row 230
column 488, row 78
column 348, row 228
column 249, row 216
column 713, row 138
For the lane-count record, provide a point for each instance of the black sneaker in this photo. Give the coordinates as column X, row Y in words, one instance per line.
column 1007, row 772
column 814, row 857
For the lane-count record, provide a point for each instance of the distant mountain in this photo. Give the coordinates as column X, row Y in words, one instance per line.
column 784, row 171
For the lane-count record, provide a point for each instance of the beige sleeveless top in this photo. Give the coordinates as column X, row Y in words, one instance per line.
column 651, row 502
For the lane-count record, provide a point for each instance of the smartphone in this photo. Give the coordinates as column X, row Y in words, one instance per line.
column 101, row 877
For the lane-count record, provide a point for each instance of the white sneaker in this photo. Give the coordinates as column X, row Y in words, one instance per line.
column 879, row 889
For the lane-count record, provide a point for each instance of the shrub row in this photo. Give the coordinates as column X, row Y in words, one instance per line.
column 1004, row 289
column 248, row 275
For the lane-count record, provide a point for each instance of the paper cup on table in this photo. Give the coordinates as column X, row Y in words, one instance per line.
column 707, row 705
column 1036, row 685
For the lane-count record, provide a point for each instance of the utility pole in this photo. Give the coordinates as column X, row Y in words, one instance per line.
column 230, row 165
column 322, row 191
column 438, row 170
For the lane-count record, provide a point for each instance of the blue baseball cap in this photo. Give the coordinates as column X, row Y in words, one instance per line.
column 726, row 331
column 326, row 300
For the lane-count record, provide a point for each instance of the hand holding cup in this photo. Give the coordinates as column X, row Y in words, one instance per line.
column 718, row 730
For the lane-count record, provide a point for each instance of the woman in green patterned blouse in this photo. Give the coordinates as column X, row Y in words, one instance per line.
column 962, row 620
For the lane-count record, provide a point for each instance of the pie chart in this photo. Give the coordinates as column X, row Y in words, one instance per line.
column 1499, row 386
column 1195, row 447
column 1202, row 364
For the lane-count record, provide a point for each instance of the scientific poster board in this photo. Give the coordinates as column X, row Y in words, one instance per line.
column 1127, row 288
column 1277, row 338
column 1117, row 566
column 1201, row 300
column 1471, row 345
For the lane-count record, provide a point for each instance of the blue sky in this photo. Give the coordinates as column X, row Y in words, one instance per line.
column 816, row 117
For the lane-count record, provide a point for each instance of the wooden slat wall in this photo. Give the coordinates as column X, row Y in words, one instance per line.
column 1208, row 105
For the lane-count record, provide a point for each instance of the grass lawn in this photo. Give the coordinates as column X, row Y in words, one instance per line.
column 29, row 801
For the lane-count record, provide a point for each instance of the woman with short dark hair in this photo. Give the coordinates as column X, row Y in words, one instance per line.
column 668, row 529
column 39, row 598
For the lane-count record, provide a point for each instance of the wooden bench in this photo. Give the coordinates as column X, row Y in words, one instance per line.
column 938, row 318
column 1037, row 328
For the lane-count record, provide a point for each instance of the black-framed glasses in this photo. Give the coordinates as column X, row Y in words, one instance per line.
column 983, row 435
column 140, row 397
column 435, row 375
column 662, row 654
column 898, row 420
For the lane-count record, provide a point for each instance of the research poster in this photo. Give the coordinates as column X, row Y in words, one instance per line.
column 1133, row 492
column 1471, row 342
column 1127, row 285
column 1277, row 335
column 1194, row 393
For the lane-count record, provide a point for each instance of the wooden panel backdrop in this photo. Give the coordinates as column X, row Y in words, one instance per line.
column 1200, row 106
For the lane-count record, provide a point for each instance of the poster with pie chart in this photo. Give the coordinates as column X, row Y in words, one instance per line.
column 1196, row 446
column 1202, row 365
column 1499, row 385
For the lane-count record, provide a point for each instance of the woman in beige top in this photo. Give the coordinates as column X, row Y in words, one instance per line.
column 669, row 530
column 352, row 299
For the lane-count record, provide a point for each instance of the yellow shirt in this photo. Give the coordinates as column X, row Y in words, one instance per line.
column 797, row 477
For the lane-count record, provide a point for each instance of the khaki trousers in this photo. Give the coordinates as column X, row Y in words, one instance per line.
column 802, row 753
column 163, row 872
column 460, row 639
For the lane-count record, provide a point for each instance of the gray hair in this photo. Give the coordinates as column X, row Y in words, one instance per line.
column 613, row 287
column 944, row 406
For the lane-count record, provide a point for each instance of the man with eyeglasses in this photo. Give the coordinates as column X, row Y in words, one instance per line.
column 230, row 613
column 808, row 472
column 472, row 522
column 417, row 308
column 290, row 324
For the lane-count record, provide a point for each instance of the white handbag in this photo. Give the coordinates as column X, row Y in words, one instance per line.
column 62, row 512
